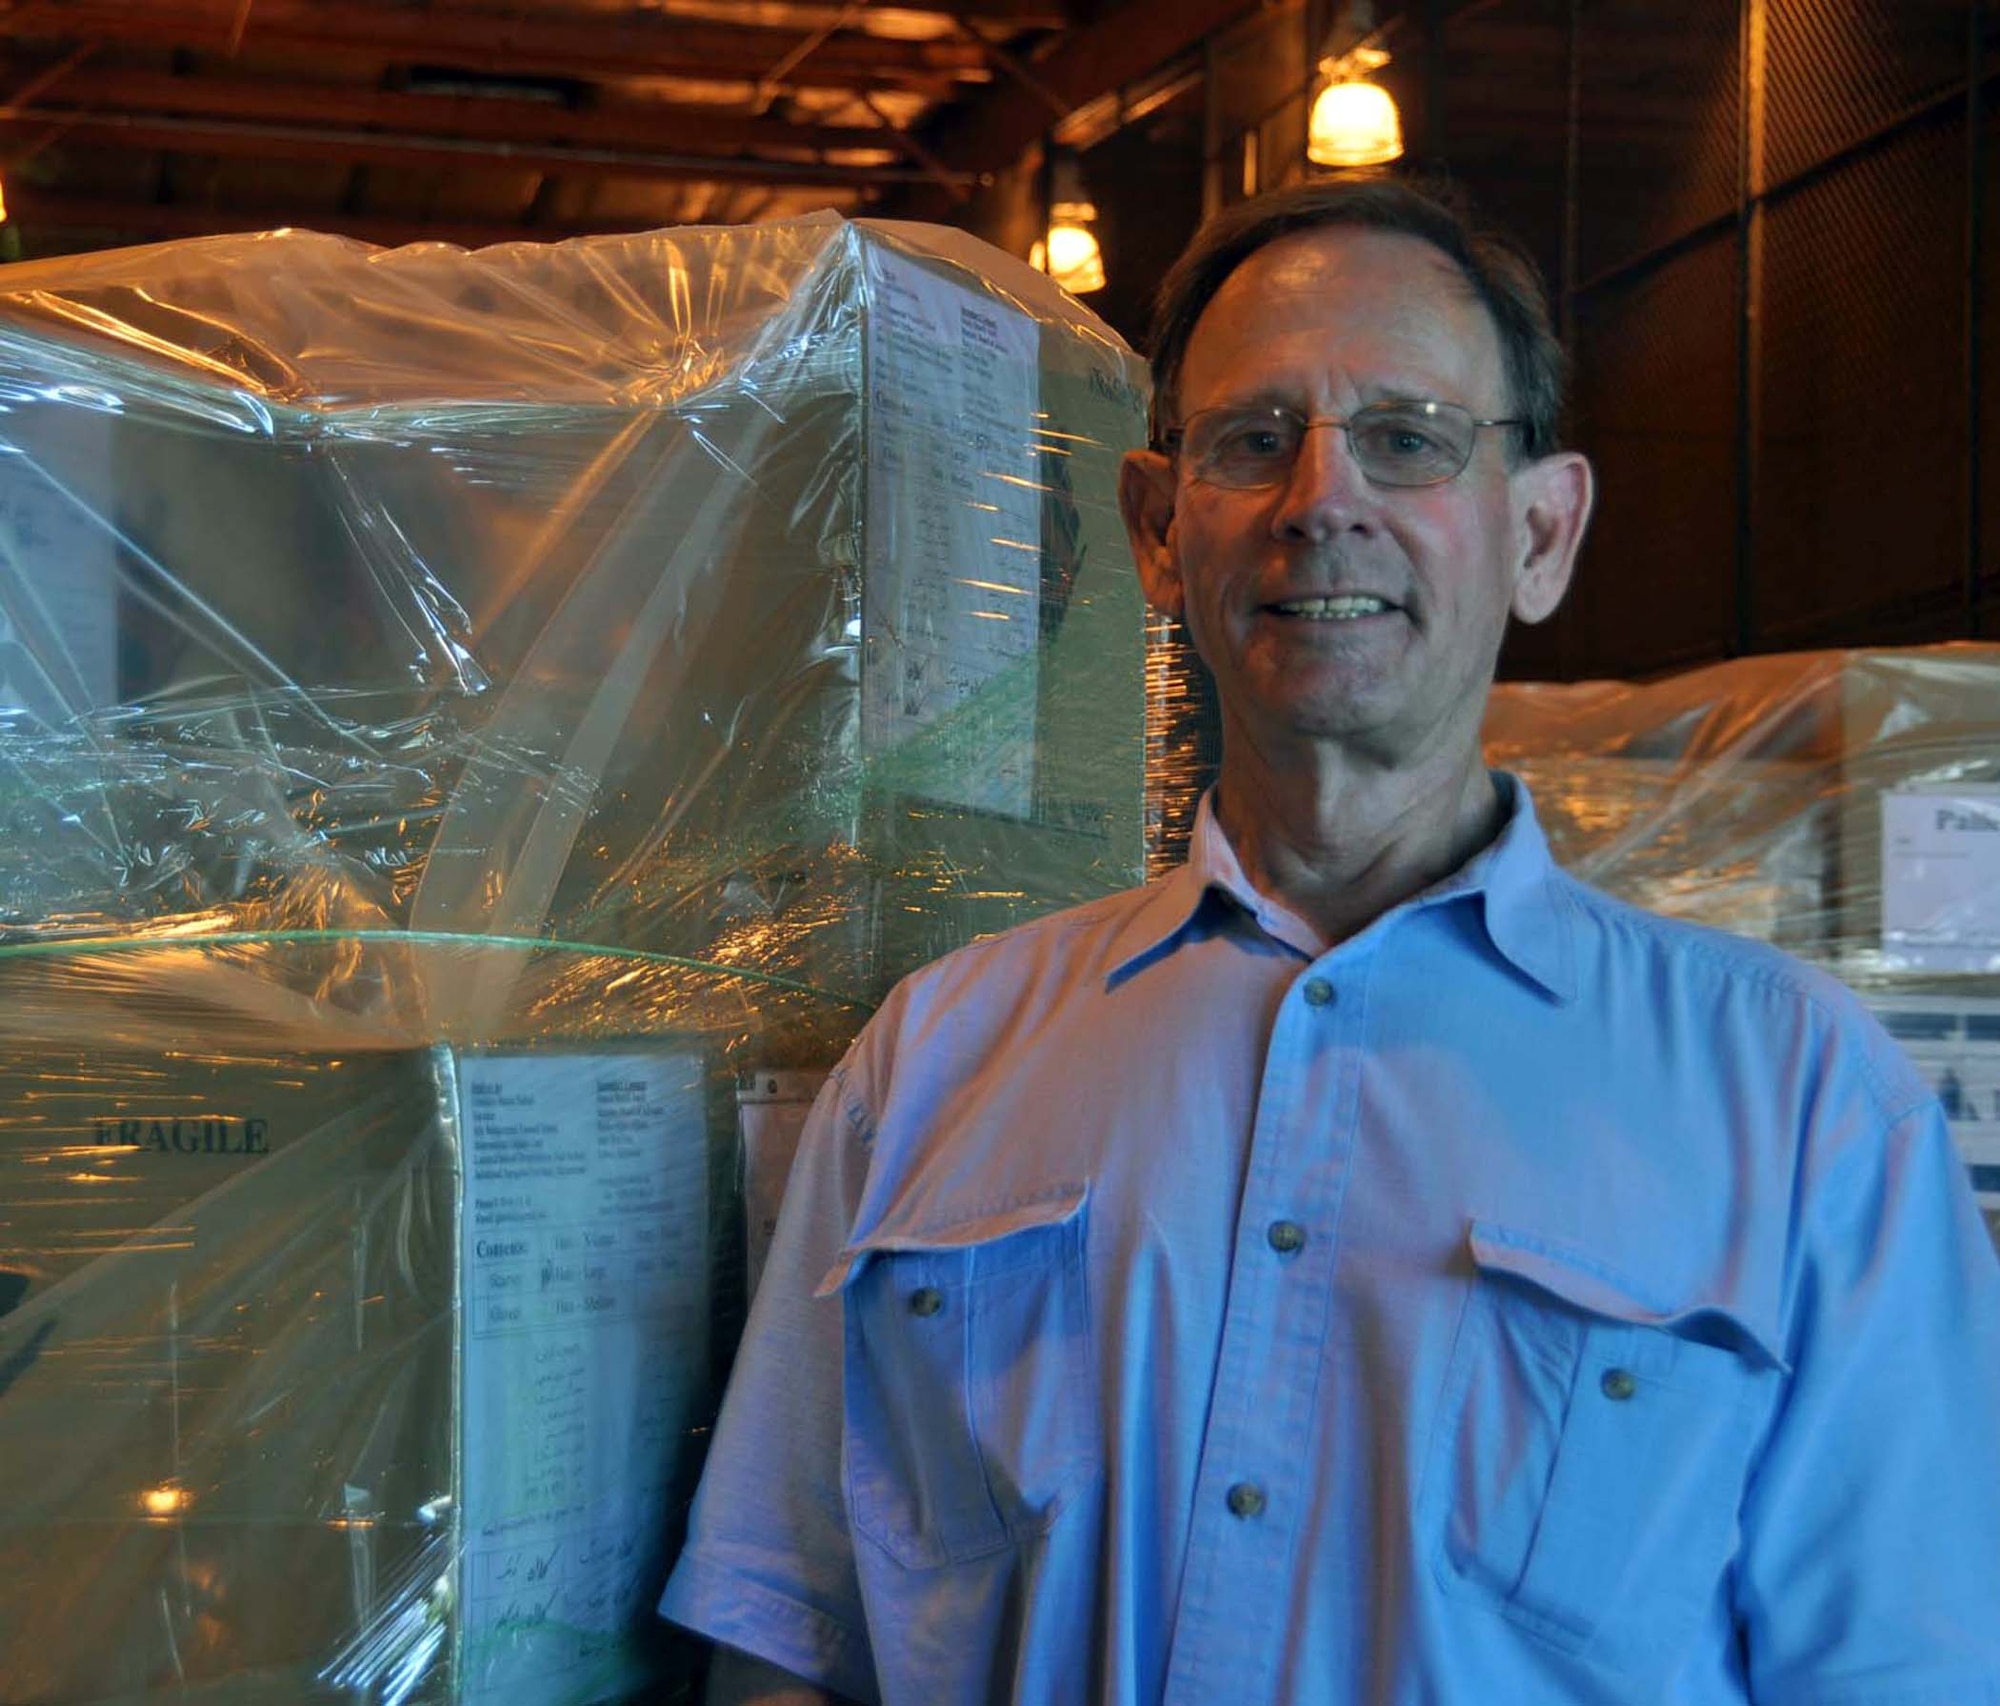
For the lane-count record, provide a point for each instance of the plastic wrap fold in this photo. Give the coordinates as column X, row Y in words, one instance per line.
column 459, row 714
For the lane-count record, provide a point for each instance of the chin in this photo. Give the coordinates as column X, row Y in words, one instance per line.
column 1338, row 704
column 1348, row 718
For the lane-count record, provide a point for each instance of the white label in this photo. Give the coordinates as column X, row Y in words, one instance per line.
column 771, row 1109
column 1955, row 1043
column 1941, row 878
column 951, row 601
column 586, row 1356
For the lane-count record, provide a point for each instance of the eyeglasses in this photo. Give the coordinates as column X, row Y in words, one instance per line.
column 1395, row 444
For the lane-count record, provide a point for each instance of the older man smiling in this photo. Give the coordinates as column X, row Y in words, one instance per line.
column 1367, row 1266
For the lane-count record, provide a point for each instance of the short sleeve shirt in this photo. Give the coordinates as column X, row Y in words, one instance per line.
column 1526, row 1300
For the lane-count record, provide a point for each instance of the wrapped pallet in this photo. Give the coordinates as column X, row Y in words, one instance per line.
column 461, row 717
column 1844, row 806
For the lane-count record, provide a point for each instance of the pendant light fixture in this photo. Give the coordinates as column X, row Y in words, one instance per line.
column 1069, row 254
column 1354, row 122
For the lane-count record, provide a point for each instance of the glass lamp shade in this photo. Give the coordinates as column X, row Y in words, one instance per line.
column 1075, row 261
column 1070, row 254
column 1354, row 124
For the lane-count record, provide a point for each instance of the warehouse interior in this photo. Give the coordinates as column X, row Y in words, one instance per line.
column 552, row 552
column 1765, row 224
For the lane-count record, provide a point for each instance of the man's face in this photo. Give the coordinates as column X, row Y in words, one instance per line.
column 1421, row 580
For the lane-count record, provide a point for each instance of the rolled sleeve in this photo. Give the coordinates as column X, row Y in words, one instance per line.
column 769, row 1564
column 1869, row 1572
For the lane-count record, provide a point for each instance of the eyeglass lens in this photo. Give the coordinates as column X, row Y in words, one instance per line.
column 1396, row 444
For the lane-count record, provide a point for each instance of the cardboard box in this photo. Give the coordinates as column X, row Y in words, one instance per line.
column 650, row 646
column 1918, row 723
column 341, row 1378
column 748, row 594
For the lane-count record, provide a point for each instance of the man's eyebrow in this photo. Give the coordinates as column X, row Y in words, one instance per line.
column 1370, row 395
column 1266, row 398
column 1398, row 394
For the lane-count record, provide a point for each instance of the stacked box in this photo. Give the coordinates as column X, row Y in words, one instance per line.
column 1842, row 805
column 1707, row 795
column 459, row 713
column 1920, row 820
column 331, row 1373
column 614, row 591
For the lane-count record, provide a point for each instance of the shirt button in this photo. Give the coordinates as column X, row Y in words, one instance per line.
column 926, row 1300
column 1246, row 1499
column 1318, row 992
column 1286, row 1236
column 1618, row 1384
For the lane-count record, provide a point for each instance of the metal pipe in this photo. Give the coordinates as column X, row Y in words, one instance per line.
column 1750, row 287
column 1975, row 267
column 1572, row 172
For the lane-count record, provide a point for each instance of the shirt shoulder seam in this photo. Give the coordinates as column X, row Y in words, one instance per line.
column 1755, row 963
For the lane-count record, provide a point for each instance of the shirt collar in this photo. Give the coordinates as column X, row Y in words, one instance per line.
column 1211, row 881
column 1514, row 879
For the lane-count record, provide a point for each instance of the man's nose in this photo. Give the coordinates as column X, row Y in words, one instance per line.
column 1325, row 493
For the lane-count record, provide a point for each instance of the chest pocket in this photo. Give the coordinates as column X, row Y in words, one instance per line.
column 1591, row 1452
column 969, row 1387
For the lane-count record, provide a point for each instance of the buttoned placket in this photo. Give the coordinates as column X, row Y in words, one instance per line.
column 1249, row 1492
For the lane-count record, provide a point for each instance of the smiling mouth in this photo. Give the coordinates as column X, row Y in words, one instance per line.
column 1349, row 608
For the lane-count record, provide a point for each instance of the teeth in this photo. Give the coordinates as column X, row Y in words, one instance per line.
column 1334, row 609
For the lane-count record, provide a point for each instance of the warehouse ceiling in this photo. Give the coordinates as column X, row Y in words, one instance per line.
column 477, row 121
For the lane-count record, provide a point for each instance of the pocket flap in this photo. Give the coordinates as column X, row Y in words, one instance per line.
column 1578, row 1280
column 1061, row 1204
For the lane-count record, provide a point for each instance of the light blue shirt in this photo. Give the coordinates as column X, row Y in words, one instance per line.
column 1529, row 1300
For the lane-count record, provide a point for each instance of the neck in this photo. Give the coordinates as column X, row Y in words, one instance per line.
column 1340, row 842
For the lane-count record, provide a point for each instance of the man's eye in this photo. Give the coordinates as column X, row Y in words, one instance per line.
column 1256, row 440
column 1411, row 443
column 1400, row 438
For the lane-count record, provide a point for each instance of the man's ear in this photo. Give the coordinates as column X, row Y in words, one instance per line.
column 1146, row 500
column 1553, row 495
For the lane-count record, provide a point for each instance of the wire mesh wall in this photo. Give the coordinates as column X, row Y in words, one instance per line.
column 1785, row 188
column 1770, row 228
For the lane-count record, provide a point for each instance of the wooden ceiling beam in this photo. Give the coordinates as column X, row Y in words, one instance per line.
column 39, row 211
column 505, row 43
column 243, row 140
column 672, row 129
column 989, row 131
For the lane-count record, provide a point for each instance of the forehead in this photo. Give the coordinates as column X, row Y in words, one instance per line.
column 1344, row 310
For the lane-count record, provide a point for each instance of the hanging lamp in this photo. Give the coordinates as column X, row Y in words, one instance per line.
column 1354, row 122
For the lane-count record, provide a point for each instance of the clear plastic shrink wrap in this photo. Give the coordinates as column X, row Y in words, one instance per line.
column 468, row 722
column 1183, row 743
column 1844, row 806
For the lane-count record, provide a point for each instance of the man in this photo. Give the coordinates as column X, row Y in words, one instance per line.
column 1367, row 1266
